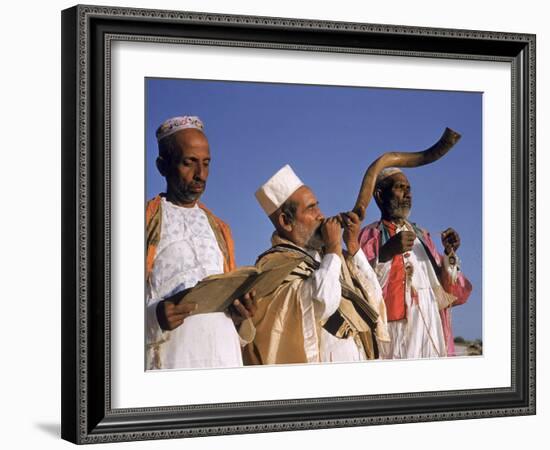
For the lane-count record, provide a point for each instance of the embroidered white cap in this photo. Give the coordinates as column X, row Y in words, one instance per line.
column 278, row 189
column 170, row 126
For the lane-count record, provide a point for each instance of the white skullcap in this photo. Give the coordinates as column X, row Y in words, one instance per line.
column 174, row 124
column 388, row 172
column 278, row 189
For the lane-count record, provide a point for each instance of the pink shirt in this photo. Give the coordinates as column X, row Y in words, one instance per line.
column 370, row 241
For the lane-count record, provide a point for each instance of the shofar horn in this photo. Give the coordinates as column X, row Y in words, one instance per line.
column 401, row 159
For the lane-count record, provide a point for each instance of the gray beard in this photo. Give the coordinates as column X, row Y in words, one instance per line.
column 397, row 210
column 314, row 241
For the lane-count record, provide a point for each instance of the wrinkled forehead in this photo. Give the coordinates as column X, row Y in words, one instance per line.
column 191, row 142
column 398, row 178
column 191, row 138
column 303, row 197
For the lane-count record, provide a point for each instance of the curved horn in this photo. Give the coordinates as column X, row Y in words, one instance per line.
column 401, row 159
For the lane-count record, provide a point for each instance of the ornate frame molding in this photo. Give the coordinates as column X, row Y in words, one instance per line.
column 88, row 31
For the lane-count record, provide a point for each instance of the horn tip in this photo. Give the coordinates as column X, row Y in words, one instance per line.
column 451, row 135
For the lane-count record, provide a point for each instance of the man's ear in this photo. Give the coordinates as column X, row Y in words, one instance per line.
column 377, row 194
column 285, row 223
column 162, row 166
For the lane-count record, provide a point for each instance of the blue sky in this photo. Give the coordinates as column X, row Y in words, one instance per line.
column 330, row 135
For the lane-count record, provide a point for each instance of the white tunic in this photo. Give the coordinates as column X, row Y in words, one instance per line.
column 420, row 334
column 187, row 252
column 322, row 292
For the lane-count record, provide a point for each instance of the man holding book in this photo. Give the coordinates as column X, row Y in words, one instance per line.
column 186, row 243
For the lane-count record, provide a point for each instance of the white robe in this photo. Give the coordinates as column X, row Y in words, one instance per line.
column 420, row 334
column 187, row 253
column 322, row 292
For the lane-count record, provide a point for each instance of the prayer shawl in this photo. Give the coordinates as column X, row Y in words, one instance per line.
column 374, row 236
column 153, row 225
column 279, row 319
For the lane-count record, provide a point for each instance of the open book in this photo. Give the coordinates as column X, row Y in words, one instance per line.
column 217, row 292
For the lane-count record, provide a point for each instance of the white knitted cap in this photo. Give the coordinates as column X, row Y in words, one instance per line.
column 278, row 189
column 387, row 172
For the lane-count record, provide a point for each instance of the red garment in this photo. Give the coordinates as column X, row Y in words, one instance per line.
column 370, row 240
column 394, row 290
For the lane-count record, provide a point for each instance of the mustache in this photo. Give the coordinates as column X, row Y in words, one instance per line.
column 197, row 185
column 403, row 202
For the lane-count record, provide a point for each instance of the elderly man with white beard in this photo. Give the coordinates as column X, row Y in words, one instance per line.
column 313, row 315
column 420, row 285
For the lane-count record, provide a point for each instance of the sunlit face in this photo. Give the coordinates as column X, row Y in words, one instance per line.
column 306, row 227
column 396, row 197
column 189, row 166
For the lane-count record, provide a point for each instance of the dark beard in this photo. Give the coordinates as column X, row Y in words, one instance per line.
column 182, row 194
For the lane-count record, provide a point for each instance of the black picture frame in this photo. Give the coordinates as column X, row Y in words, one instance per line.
column 87, row 33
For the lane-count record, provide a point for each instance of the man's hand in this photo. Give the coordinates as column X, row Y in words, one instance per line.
column 450, row 240
column 170, row 314
column 243, row 308
column 331, row 231
column 352, row 227
column 402, row 242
